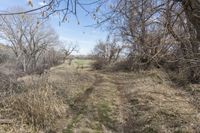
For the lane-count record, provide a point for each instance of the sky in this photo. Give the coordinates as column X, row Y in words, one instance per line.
column 82, row 35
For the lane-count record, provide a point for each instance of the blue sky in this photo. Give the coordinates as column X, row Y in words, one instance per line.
column 85, row 37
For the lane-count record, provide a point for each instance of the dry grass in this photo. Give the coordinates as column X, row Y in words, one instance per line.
column 37, row 107
column 98, row 107
column 156, row 106
column 8, row 86
column 72, row 100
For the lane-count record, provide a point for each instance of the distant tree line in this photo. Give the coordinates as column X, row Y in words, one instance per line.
column 153, row 33
column 33, row 42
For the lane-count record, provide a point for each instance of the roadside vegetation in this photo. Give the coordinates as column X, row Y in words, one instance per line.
column 145, row 77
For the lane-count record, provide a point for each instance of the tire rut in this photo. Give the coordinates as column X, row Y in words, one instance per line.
column 79, row 102
column 124, row 104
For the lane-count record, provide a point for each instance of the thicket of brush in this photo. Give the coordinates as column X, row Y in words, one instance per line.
column 10, row 65
column 37, row 106
column 150, row 34
column 181, row 71
column 26, row 107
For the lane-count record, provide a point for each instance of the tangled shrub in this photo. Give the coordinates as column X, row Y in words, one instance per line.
column 185, row 75
column 99, row 64
column 38, row 107
column 3, row 58
column 8, row 85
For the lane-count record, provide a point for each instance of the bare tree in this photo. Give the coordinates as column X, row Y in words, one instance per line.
column 68, row 49
column 153, row 29
column 28, row 38
column 136, row 22
column 158, row 30
column 183, row 27
column 107, row 51
column 67, row 7
column 63, row 8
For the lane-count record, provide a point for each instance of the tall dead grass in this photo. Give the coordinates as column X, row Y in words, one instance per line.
column 36, row 107
column 8, row 85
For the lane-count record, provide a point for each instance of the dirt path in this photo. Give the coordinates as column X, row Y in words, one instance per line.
column 119, row 102
column 98, row 108
column 126, row 103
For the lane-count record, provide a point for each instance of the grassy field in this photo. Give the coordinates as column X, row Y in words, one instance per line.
column 80, row 63
column 96, row 102
column 83, row 62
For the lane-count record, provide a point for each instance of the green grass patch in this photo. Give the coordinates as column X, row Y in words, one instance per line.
column 82, row 62
column 105, row 115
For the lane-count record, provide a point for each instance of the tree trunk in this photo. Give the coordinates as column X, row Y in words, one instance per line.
column 24, row 65
column 33, row 63
column 192, row 10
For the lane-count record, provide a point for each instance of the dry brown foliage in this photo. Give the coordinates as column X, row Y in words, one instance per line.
column 36, row 107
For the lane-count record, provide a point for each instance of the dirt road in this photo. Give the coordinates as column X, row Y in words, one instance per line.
column 124, row 102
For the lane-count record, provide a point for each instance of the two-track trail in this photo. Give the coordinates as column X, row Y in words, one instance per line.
column 122, row 102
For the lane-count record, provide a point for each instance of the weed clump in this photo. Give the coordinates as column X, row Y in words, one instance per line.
column 38, row 107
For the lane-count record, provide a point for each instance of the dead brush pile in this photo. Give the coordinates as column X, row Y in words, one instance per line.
column 39, row 108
